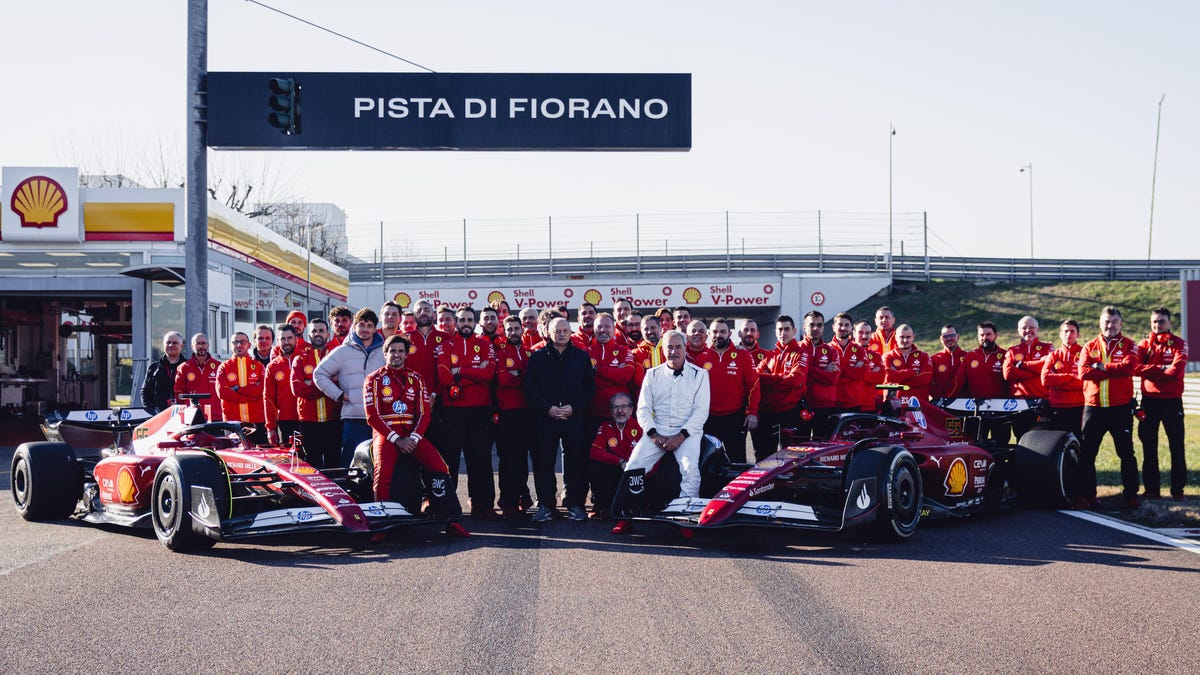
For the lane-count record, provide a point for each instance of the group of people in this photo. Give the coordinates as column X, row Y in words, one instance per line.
column 439, row 386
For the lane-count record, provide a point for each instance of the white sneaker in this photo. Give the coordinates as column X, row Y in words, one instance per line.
column 543, row 515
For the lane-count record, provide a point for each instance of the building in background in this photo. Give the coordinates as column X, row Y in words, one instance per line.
column 91, row 278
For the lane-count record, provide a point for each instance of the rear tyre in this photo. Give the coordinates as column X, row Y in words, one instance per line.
column 1044, row 468
column 363, row 488
column 900, row 499
column 171, row 514
column 46, row 480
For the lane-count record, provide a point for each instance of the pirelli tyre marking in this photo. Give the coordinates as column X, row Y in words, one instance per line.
column 778, row 510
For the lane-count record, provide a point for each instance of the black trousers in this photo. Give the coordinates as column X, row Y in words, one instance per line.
column 766, row 435
column 1117, row 421
column 568, row 433
column 731, row 430
column 1169, row 413
column 286, row 428
column 469, row 433
column 1067, row 419
column 515, row 444
column 604, row 479
column 322, row 443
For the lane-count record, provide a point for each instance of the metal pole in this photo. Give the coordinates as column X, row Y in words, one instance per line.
column 925, row 228
column 1029, row 167
column 550, row 241
column 728, row 261
column 637, row 239
column 308, row 267
column 1154, row 180
column 464, row 247
column 820, row 256
column 196, row 245
column 891, row 134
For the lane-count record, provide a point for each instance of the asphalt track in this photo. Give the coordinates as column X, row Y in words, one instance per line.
column 1011, row 592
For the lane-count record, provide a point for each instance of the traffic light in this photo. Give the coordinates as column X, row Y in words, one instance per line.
column 285, row 105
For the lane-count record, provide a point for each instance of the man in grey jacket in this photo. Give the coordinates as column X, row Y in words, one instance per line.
column 340, row 376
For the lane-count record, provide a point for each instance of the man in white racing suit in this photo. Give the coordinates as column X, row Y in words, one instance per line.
column 672, row 409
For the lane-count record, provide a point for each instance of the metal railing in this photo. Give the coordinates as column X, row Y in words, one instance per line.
column 904, row 268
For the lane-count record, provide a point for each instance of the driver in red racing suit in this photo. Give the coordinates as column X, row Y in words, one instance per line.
column 397, row 410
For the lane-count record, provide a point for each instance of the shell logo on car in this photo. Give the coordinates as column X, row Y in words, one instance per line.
column 127, row 490
column 39, row 200
column 956, row 478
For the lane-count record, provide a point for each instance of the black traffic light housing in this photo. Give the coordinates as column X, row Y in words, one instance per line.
column 284, row 103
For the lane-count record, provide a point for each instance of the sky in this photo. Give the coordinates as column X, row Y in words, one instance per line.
column 791, row 110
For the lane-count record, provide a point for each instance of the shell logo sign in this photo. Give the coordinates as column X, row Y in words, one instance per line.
column 691, row 295
column 592, row 296
column 403, row 299
column 39, row 201
column 495, row 296
column 41, row 204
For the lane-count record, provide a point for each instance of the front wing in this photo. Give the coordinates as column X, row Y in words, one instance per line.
column 859, row 507
column 380, row 516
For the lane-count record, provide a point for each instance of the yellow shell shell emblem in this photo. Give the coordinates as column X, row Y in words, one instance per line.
column 956, row 478
column 691, row 295
column 403, row 299
column 592, row 296
column 126, row 486
column 39, row 201
column 495, row 296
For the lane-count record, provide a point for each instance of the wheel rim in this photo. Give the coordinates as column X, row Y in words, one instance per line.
column 166, row 503
column 20, row 484
column 904, row 497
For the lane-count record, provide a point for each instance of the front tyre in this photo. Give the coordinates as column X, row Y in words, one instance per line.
column 171, row 506
column 900, row 505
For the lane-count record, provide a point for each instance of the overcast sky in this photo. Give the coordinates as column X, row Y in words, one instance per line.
column 792, row 103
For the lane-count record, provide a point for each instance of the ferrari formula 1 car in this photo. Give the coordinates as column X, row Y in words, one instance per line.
column 195, row 483
column 879, row 473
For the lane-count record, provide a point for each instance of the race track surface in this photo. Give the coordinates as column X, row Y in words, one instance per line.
column 1016, row 591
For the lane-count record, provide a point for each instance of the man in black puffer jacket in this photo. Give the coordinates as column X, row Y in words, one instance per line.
column 158, row 391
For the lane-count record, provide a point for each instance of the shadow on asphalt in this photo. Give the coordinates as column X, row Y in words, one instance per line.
column 1010, row 538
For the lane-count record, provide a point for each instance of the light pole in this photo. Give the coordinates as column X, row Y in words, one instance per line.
column 1154, row 180
column 1029, row 168
column 891, row 134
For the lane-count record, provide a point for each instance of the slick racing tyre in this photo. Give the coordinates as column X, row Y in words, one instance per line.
column 900, row 498
column 1045, row 463
column 171, row 510
column 362, row 488
column 46, row 481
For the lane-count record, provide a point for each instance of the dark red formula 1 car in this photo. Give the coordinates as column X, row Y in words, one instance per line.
column 879, row 473
column 195, row 483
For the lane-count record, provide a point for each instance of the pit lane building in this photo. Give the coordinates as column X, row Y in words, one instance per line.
column 91, row 278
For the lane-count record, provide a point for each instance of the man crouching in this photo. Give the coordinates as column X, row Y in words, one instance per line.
column 672, row 409
column 397, row 407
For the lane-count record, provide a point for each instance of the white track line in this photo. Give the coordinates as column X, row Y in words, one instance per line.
column 1135, row 530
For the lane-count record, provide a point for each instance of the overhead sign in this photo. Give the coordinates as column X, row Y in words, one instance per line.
column 41, row 205
column 449, row 111
column 741, row 294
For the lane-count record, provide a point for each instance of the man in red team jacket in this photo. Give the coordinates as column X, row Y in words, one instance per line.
column 908, row 365
column 611, row 447
column 614, row 371
column 824, row 370
column 782, row 378
column 198, row 375
column 734, row 393
column 1022, row 368
column 1164, row 357
column 397, row 409
column 514, row 442
column 983, row 377
column 279, row 403
column 320, row 416
column 1106, row 367
column 240, row 388
column 1060, row 375
column 947, row 365
column 466, row 367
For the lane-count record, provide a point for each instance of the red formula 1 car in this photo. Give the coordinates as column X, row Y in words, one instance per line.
column 195, row 483
column 879, row 473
